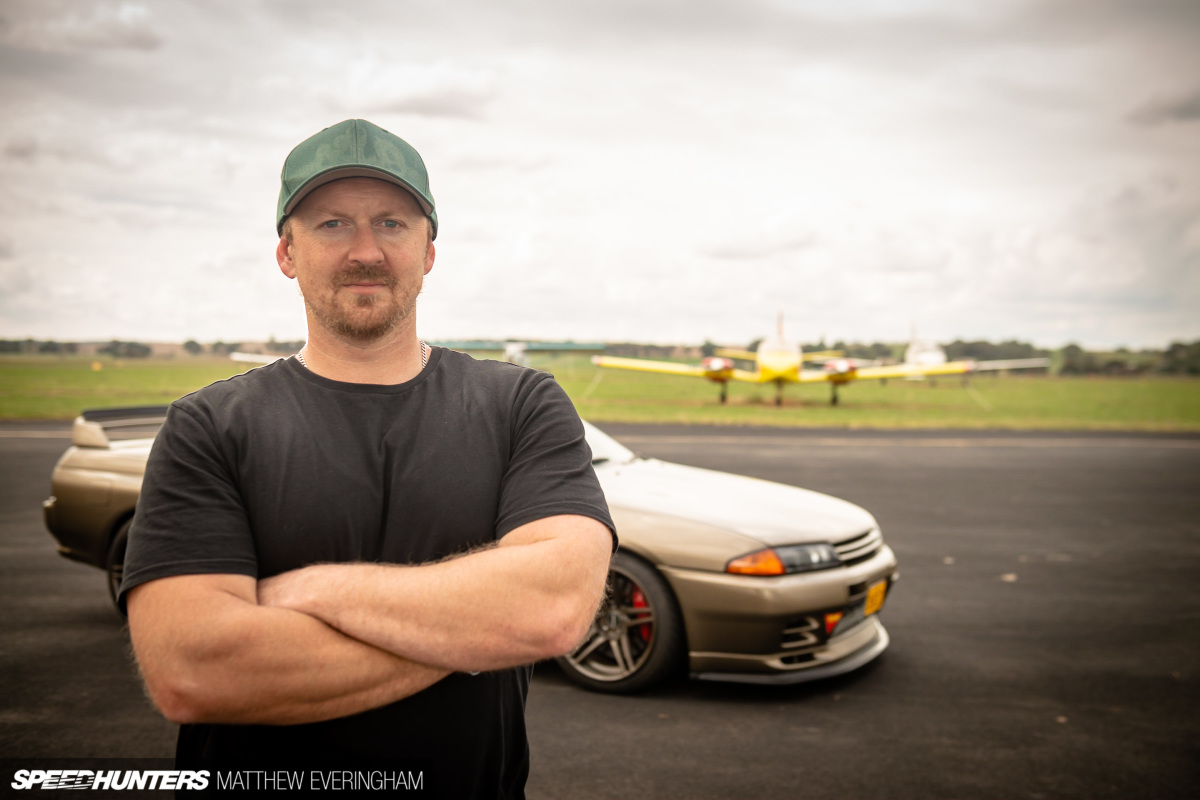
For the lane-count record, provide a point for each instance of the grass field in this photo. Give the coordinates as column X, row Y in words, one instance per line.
column 49, row 387
column 33, row 387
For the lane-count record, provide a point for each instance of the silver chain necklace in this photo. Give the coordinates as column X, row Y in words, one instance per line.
column 424, row 356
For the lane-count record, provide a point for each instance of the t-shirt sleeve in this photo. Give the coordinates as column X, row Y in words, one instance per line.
column 550, row 468
column 190, row 518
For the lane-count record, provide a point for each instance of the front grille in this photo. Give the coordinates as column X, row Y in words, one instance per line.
column 801, row 632
column 859, row 548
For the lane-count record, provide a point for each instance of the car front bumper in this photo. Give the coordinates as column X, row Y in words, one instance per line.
column 849, row 652
column 773, row 630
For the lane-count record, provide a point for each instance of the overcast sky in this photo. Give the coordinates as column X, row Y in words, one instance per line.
column 652, row 170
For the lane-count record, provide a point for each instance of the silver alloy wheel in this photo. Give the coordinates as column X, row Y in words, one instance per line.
column 621, row 637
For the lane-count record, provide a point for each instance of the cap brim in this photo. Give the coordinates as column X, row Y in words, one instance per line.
column 336, row 174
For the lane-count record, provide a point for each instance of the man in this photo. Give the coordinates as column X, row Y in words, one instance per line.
column 356, row 552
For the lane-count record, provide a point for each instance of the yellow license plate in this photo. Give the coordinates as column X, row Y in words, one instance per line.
column 875, row 595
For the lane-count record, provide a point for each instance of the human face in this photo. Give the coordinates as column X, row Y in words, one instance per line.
column 360, row 249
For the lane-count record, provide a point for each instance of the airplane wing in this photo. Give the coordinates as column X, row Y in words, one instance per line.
column 747, row 355
column 1012, row 363
column 949, row 368
column 675, row 368
column 881, row 373
column 646, row 365
column 914, row 370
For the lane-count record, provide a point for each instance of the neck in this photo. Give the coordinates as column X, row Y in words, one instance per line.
column 388, row 360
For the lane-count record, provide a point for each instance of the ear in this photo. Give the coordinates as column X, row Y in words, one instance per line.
column 430, row 252
column 283, row 255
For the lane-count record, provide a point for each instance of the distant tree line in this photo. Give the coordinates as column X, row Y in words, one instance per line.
column 871, row 352
column 222, row 348
column 34, row 346
column 118, row 349
column 635, row 350
column 284, row 347
column 1180, row 358
column 986, row 351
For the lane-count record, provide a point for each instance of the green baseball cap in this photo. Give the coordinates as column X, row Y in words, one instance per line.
column 352, row 149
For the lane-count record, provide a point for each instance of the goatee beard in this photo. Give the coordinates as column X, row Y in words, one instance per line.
column 344, row 323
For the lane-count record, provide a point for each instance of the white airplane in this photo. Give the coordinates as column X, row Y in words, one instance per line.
column 925, row 353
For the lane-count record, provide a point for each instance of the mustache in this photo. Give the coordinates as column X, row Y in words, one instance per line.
column 363, row 273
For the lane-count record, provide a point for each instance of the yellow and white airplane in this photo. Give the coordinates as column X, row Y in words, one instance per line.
column 781, row 362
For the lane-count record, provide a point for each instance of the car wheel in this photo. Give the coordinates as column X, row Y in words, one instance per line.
column 114, row 565
column 636, row 639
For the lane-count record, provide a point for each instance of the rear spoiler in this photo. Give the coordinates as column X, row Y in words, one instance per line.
column 92, row 426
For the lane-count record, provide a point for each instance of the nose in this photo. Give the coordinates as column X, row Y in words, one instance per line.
column 364, row 249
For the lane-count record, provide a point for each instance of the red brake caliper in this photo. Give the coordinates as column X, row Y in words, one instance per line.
column 639, row 601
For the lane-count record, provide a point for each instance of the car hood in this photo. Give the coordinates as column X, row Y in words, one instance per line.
column 772, row 513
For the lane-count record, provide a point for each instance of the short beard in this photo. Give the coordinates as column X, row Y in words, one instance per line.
column 346, row 325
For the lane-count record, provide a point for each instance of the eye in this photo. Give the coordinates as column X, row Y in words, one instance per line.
column 391, row 223
column 331, row 223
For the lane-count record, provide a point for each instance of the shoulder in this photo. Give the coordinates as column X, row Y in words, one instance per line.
column 456, row 360
column 513, row 391
column 223, row 396
column 490, row 374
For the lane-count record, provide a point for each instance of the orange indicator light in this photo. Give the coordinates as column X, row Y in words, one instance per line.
column 831, row 620
column 764, row 562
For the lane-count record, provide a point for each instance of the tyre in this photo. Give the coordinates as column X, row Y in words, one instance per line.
column 114, row 565
column 637, row 638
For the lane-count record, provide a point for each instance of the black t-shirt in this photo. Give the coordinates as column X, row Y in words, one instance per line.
column 280, row 468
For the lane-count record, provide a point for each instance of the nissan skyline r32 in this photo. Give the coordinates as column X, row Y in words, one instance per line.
column 728, row 577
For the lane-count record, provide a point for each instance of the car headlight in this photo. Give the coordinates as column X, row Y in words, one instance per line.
column 786, row 560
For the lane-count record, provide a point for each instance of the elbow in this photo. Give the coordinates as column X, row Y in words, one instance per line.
column 176, row 702
column 181, row 700
column 574, row 613
column 567, row 627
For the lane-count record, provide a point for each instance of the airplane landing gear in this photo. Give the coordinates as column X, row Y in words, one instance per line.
column 724, row 393
column 833, row 395
column 778, row 395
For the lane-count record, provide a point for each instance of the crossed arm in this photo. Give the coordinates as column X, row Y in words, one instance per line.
column 332, row 640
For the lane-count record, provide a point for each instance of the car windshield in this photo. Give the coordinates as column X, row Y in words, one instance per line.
column 604, row 447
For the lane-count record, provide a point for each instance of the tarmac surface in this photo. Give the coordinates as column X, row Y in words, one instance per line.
column 1045, row 636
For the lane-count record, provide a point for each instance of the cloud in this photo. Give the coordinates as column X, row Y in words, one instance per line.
column 760, row 247
column 489, row 161
column 440, row 88
column 1123, row 267
column 860, row 164
column 23, row 148
column 124, row 26
column 463, row 102
column 1182, row 108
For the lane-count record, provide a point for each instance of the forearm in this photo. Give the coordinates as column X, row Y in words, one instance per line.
column 531, row 597
column 233, row 661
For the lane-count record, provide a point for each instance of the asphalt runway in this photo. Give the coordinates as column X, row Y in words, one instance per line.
column 1045, row 636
